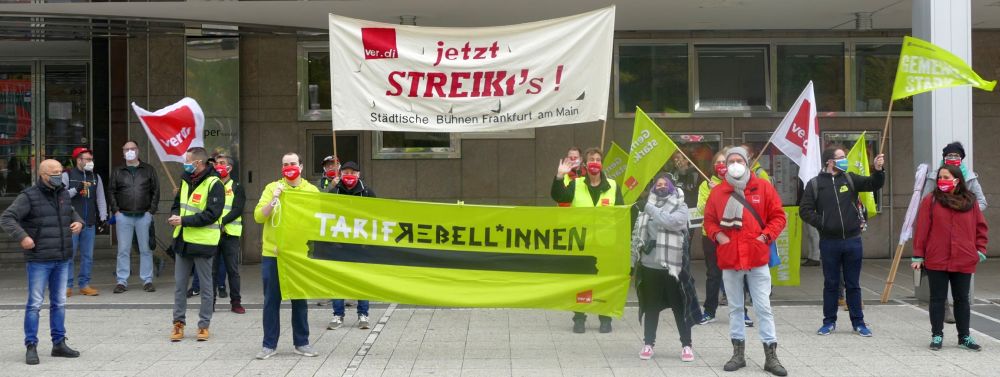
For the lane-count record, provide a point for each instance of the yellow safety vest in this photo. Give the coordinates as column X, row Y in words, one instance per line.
column 235, row 227
column 581, row 197
column 194, row 204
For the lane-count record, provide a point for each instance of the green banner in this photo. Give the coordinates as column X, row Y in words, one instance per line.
column 615, row 162
column 789, row 244
column 650, row 149
column 339, row 246
column 857, row 161
column 924, row 67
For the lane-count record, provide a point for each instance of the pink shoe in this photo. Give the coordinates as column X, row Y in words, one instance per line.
column 647, row 352
column 687, row 354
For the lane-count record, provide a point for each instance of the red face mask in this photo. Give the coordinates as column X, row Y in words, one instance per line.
column 594, row 168
column 946, row 185
column 953, row 161
column 291, row 172
column 223, row 170
column 720, row 169
column 331, row 174
column 349, row 180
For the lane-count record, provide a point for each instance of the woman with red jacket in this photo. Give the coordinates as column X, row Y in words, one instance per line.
column 959, row 230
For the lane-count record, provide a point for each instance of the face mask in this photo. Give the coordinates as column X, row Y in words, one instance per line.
column 55, row 181
column 947, row 185
column 349, row 180
column 130, row 155
column 720, row 169
column 188, row 168
column 736, row 170
column 331, row 174
column 594, row 168
column 222, row 170
column 575, row 162
column 291, row 172
column 953, row 161
column 661, row 192
column 88, row 166
column 840, row 164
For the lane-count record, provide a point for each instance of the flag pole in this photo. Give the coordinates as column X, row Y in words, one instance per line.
column 681, row 151
column 761, row 153
column 170, row 176
column 604, row 127
column 892, row 273
column 885, row 129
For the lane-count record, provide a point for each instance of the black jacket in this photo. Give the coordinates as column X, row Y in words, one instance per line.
column 360, row 189
column 134, row 193
column 213, row 210
column 239, row 202
column 44, row 214
column 835, row 212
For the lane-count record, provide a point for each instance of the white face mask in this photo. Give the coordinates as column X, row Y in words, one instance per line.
column 130, row 155
column 88, row 166
column 736, row 170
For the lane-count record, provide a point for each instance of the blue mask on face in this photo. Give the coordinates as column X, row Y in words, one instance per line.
column 840, row 164
column 188, row 168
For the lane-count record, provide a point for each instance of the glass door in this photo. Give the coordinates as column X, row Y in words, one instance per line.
column 66, row 111
column 17, row 152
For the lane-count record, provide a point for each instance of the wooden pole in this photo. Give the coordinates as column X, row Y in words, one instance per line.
column 681, row 151
column 761, row 153
column 604, row 127
column 335, row 144
column 885, row 129
column 170, row 176
column 892, row 273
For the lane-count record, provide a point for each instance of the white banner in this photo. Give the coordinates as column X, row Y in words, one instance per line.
column 798, row 135
column 388, row 77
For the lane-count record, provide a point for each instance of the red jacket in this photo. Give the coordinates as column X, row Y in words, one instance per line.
column 743, row 251
column 947, row 239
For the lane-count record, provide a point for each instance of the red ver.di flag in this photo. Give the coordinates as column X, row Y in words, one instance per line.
column 798, row 135
column 174, row 129
column 388, row 77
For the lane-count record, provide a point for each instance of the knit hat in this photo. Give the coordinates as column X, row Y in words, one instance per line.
column 740, row 151
column 955, row 147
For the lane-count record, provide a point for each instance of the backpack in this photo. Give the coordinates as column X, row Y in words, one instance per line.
column 860, row 208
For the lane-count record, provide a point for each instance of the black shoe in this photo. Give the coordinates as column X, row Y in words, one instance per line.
column 810, row 263
column 579, row 327
column 62, row 350
column 148, row 287
column 222, row 293
column 193, row 292
column 605, row 327
column 120, row 288
column 31, row 356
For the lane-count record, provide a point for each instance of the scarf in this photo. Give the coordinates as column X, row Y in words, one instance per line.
column 732, row 216
column 665, row 248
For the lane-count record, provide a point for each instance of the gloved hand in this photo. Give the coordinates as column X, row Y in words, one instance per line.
column 982, row 257
column 101, row 226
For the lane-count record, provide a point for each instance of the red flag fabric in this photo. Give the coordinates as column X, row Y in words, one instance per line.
column 174, row 129
column 798, row 135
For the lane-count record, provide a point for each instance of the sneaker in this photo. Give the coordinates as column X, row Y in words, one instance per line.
column 826, row 329
column 193, row 292
column 687, row 354
column 863, row 331
column 747, row 321
column 223, row 293
column 969, row 344
column 69, row 292
column 88, row 291
column 265, row 353
column 335, row 323
column 31, row 355
column 178, row 333
column 646, row 353
column 936, row 342
column 202, row 334
column 148, row 287
column 706, row 319
column 306, row 350
column 120, row 288
column 363, row 322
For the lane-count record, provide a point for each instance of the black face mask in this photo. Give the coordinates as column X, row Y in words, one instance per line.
column 55, row 181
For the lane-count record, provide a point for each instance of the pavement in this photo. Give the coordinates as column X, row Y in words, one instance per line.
column 127, row 335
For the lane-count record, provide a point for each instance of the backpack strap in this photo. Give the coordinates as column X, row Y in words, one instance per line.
column 750, row 208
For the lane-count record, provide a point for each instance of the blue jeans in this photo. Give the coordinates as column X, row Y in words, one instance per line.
column 42, row 275
column 83, row 244
column 338, row 307
column 127, row 227
column 272, row 308
column 758, row 280
column 842, row 258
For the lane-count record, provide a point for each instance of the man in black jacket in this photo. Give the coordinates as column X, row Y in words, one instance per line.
column 830, row 203
column 195, row 216
column 350, row 184
column 44, row 222
column 134, row 192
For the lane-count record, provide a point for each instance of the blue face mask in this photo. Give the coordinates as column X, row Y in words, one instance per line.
column 188, row 168
column 840, row 164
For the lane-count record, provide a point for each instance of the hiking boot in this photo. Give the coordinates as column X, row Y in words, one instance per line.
column 706, row 319
column 363, row 322
column 605, row 327
column 579, row 327
column 687, row 354
column 936, row 342
column 120, row 288
column 265, row 353
column 949, row 313
column 739, row 359
column 148, row 287
column 31, row 356
column 646, row 353
column 178, row 332
column 306, row 350
column 970, row 344
column 771, row 363
column 826, row 329
column 202, row 334
column 88, row 291
column 69, row 292
column 236, row 307
column 223, row 293
column 335, row 323
column 62, row 350
column 746, row 320
column 863, row 331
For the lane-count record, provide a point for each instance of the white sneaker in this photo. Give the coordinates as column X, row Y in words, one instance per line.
column 306, row 350
column 266, row 353
column 363, row 322
column 335, row 323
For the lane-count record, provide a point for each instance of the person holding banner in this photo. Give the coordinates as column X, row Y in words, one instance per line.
column 658, row 240
column 350, row 184
column 831, row 205
column 573, row 155
column 268, row 213
column 134, row 192
column 331, row 167
column 592, row 190
column 743, row 215
column 949, row 241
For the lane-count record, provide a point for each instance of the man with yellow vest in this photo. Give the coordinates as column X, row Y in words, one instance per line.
column 268, row 212
column 591, row 190
column 195, row 217
column 232, row 228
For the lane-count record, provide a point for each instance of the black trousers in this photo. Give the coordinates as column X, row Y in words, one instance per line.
column 659, row 285
column 229, row 250
column 713, row 276
column 939, row 281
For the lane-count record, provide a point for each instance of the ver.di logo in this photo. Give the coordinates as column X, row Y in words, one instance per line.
column 379, row 43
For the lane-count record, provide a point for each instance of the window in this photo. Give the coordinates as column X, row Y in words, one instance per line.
column 654, row 78
column 321, row 145
column 823, row 64
column 876, row 72
column 314, row 81
column 700, row 148
column 732, row 78
column 402, row 145
column 212, row 76
column 848, row 139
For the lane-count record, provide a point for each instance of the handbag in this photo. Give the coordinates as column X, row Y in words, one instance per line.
column 773, row 259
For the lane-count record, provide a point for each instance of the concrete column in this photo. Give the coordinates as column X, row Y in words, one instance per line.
column 944, row 115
